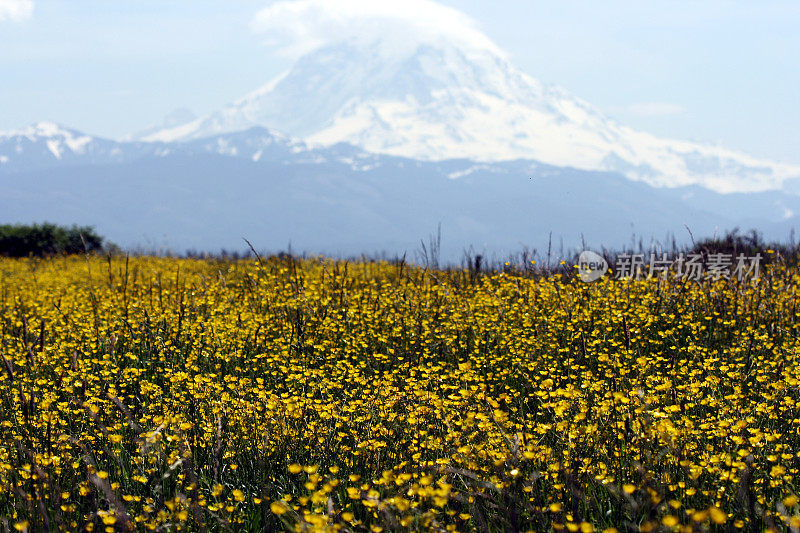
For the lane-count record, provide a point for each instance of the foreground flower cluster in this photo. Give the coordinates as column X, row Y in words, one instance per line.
column 161, row 394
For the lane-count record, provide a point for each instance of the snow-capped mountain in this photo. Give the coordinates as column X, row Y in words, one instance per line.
column 446, row 100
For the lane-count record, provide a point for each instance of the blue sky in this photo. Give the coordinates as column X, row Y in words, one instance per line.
column 719, row 70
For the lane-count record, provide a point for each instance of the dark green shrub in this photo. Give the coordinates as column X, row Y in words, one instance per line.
column 18, row 240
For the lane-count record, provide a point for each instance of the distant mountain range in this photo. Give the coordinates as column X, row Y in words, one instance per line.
column 376, row 150
column 209, row 193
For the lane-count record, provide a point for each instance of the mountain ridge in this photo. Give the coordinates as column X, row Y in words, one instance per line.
column 208, row 193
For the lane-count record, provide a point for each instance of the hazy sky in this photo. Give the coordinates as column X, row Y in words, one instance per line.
column 718, row 70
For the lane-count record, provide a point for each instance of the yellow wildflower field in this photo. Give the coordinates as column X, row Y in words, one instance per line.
column 189, row 395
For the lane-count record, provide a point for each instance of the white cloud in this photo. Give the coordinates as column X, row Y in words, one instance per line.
column 300, row 26
column 15, row 10
column 655, row 109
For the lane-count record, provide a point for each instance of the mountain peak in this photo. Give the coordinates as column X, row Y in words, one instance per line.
column 56, row 140
column 437, row 95
column 42, row 129
column 47, row 129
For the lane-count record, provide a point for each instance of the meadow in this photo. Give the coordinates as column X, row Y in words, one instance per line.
column 166, row 394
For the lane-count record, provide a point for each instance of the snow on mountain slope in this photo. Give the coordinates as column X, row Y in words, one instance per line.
column 176, row 118
column 58, row 141
column 433, row 96
column 47, row 145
